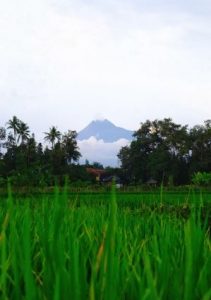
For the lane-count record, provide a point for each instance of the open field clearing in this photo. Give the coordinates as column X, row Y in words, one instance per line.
column 106, row 246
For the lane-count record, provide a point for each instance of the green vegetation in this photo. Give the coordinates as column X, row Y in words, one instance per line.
column 168, row 152
column 202, row 179
column 28, row 163
column 162, row 151
column 106, row 246
column 88, row 242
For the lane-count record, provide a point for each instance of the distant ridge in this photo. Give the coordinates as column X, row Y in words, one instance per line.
column 106, row 131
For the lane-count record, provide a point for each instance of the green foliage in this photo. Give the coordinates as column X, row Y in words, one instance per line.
column 162, row 149
column 28, row 164
column 3, row 182
column 105, row 247
column 52, row 136
column 202, row 179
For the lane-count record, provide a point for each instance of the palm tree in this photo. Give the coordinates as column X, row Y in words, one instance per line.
column 52, row 136
column 2, row 138
column 14, row 125
column 23, row 132
column 70, row 147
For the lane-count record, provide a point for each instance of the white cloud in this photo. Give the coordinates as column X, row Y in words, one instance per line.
column 97, row 150
column 64, row 62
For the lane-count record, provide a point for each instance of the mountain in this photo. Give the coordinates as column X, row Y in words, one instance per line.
column 106, row 131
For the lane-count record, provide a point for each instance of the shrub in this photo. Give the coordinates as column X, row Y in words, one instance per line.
column 202, row 178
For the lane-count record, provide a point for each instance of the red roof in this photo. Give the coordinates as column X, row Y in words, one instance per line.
column 96, row 172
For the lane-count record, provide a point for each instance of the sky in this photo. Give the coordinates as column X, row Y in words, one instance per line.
column 65, row 63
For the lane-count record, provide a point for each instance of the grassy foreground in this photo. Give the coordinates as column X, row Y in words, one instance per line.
column 66, row 247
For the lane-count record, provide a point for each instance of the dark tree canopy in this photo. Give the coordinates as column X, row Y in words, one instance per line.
column 25, row 161
column 161, row 151
column 167, row 152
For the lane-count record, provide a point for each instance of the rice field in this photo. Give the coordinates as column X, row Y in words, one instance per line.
column 105, row 246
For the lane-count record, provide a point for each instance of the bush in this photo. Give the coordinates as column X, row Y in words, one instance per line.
column 3, row 182
column 202, row 179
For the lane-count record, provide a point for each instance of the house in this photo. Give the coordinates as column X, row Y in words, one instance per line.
column 112, row 178
column 98, row 173
column 152, row 182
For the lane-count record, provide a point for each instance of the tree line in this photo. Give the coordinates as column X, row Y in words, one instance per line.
column 27, row 162
column 167, row 152
column 161, row 150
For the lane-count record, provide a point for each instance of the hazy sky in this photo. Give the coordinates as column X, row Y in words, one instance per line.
column 66, row 62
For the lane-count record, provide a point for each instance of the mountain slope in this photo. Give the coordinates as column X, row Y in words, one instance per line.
column 106, row 131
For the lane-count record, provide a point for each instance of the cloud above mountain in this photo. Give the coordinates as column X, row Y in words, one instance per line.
column 101, row 141
column 130, row 60
column 97, row 150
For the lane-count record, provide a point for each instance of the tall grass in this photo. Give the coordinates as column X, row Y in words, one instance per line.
column 64, row 247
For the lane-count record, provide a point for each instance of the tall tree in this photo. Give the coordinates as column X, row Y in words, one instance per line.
column 125, row 158
column 14, row 125
column 52, row 136
column 158, row 150
column 200, row 146
column 23, row 132
column 69, row 145
column 2, row 138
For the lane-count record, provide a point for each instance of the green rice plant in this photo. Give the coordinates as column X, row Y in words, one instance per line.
column 106, row 246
